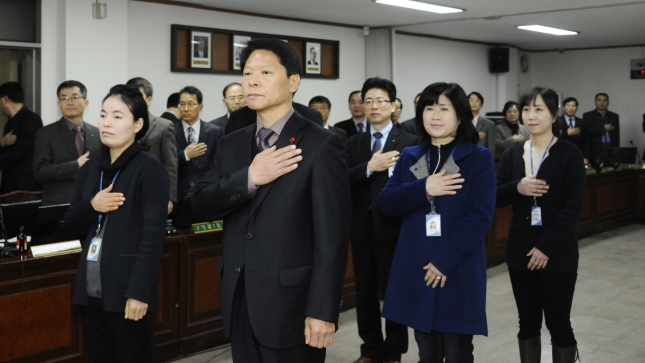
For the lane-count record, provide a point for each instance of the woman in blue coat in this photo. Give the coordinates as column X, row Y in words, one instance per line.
column 444, row 189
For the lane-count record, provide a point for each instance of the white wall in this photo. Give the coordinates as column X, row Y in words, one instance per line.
column 582, row 74
column 52, row 55
column 149, row 55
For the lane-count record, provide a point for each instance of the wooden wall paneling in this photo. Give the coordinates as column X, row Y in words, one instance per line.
column 300, row 47
column 166, row 336
column 605, row 205
column 183, row 48
column 222, row 49
column 328, row 59
column 624, row 195
column 640, row 187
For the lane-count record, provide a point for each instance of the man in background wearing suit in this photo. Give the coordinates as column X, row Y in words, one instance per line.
column 484, row 126
column 371, row 157
column 358, row 122
column 573, row 128
column 323, row 105
column 196, row 141
column 245, row 116
column 201, row 48
column 62, row 147
column 172, row 108
column 410, row 125
column 396, row 115
column 281, row 186
column 233, row 100
column 159, row 139
column 603, row 128
column 17, row 143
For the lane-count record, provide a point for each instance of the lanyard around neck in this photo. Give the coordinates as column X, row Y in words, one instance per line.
column 541, row 161
column 98, row 229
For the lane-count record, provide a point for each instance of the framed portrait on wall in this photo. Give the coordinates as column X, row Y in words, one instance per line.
column 239, row 43
column 200, row 56
column 313, row 60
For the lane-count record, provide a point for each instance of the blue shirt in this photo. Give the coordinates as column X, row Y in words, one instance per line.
column 385, row 132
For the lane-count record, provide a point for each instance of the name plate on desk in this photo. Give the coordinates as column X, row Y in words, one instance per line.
column 59, row 248
column 208, row 227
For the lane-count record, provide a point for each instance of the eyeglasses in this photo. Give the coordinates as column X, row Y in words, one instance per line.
column 398, row 108
column 379, row 102
column 233, row 98
column 74, row 97
column 188, row 105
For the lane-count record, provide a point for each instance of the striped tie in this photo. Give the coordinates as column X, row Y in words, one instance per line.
column 191, row 136
column 265, row 135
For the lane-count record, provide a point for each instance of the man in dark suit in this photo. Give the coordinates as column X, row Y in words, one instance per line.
column 371, row 157
column 62, row 147
column 603, row 129
column 312, row 57
column 17, row 143
column 573, row 128
column 358, row 122
column 484, row 126
column 172, row 108
column 323, row 105
column 160, row 139
column 411, row 124
column 200, row 50
column 233, row 100
column 396, row 115
column 196, row 141
column 281, row 187
column 245, row 116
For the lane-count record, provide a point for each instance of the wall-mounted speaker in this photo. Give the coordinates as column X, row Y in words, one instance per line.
column 498, row 60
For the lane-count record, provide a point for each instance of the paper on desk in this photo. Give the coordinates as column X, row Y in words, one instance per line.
column 59, row 248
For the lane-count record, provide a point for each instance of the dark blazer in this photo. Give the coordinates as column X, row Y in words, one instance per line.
column 55, row 158
column 16, row 161
column 564, row 172
column 409, row 126
column 596, row 128
column 338, row 131
column 349, row 127
column 488, row 127
column 578, row 140
column 243, row 117
column 170, row 117
column 365, row 191
column 134, row 236
column 460, row 253
column 290, row 237
column 162, row 144
column 190, row 172
column 221, row 122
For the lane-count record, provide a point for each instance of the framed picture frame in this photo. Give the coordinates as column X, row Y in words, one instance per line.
column 313, row 58
column 239, row 43
column 200, row 50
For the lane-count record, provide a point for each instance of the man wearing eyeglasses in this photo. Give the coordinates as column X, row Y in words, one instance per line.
column 62, row 147
column 371, row 157
column 233, row 100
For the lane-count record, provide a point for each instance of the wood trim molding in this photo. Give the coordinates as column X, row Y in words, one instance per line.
column 421, row 35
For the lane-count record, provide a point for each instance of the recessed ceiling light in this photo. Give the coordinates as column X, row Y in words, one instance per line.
column 420, row 6
column 547, row 29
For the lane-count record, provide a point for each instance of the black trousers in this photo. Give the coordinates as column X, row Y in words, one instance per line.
column 113, row 339
column 435, row 346
column 246, row 349
column 372, row 263
column 538, row 292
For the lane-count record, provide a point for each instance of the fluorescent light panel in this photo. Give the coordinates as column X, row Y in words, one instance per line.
column 420, row 6
column 547, row 30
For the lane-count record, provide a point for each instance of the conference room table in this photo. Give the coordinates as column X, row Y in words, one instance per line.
column 39, row 323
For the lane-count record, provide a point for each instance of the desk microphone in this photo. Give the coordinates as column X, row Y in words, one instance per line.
column 637, row 154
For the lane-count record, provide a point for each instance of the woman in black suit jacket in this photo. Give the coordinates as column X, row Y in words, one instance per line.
column 120, row 198
column 544, row 179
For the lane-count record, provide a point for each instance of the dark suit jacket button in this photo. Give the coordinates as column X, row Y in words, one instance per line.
column 249, row 235
column 237, row 270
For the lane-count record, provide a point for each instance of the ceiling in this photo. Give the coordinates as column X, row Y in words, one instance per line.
column 601, row 23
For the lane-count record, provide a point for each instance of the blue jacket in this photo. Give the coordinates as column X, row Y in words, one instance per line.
column 460, row 253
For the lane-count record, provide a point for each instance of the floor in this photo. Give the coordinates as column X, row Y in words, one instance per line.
column 608, row 313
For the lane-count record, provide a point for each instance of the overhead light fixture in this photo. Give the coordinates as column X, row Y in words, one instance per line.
column 417, row 5
column 99, row 10
column 547, row 30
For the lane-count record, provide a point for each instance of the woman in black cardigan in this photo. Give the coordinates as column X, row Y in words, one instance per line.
column 544, row 180
column 120, row 205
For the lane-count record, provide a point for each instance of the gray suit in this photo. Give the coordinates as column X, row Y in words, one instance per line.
column 221, row 122
column 504, row 138
column 162, row 144
column 488, row 127
column 55, row 158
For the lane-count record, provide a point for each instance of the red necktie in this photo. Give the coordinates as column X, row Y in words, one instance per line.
column 78, row 140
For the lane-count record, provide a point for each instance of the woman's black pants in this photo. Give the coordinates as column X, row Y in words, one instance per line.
column 538, row 292
column 435, row 346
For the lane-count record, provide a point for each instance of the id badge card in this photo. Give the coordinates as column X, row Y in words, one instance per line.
column 536, row 216
column 95, row 248
column 433, row 225
column 390, row 171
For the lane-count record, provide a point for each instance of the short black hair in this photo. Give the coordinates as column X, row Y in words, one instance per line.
column 569, row 99
column 229, row 86
column 510, row 104
column 192, row 91
column 466, row 131
column 601, row 94
column 173, row 100
column 139, row 82
column 320, row 99
column 349, row 99
column 312, row 48
column 550, row 98
column 479, row 95
column 70, row 84
column 286, row 53
column 380, row 83
column 13, row 91
column 133, row 98
column 401, row 102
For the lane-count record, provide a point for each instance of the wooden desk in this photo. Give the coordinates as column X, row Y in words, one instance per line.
column 189, row 315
